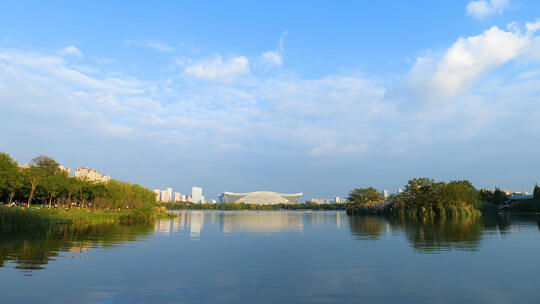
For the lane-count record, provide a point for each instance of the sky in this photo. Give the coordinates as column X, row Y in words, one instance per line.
column 287, row 96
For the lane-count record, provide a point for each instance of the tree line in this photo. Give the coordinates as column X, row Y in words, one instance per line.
column 44, row 183
column 425, row 196
column 245, row 206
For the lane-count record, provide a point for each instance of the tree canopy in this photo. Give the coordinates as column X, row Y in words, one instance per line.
column 364, row 195
column 49, row 165
column 427, row 193
column 10, row 177
column 44, row 183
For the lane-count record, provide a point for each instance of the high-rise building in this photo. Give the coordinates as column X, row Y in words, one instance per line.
column 385, row 192
column 165, row 197
column 177, row 196
column 183, row 198
column 170, row 194
column 158, row 194
column 196, row 195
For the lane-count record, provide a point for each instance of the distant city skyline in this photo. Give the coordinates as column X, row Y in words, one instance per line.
column 188, row 197
column 271, row 96
column 168, row 195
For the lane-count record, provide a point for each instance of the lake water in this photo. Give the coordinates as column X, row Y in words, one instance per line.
column 278, row 257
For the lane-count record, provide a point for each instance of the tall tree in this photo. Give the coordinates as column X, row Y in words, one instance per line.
column 15, row 182
column 49, row 165
column 71, row 186
column 499, row 197
column 536, row 192
column 33, row 176
column 10, row 177
column 53, row 184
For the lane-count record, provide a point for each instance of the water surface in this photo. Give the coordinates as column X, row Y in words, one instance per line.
column 277, row 257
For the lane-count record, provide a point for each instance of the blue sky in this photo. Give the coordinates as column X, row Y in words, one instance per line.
column 313, row 97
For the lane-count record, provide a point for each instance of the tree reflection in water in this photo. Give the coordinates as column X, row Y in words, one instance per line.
column 368, row 227
column 433, row 234
column 32, row 250
column 437, row 234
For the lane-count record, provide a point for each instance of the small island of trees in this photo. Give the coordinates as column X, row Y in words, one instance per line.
column 425, row 196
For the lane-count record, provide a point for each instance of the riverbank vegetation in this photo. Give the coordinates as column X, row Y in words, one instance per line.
column 244, row 206
column 421, row 197
column 43, row 194
column 24, row 219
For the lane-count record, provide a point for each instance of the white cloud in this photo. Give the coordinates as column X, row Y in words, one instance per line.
column 271, row 59
column 330, row 148
column 57, row 95
column 323, row 98
column 532, row 27
column 71, row 51
column 529, row 74
column 466, row 60
column 261, row 114
column 469, row 58
column 157, row 46
column 335, row 116
column 484, row 8
column 218, row 69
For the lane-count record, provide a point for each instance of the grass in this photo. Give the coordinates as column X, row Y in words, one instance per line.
column 450, row 211
column 20, row 218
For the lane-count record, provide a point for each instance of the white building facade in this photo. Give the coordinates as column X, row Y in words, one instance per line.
column 196, row 195
column 260, row 198
column 91, row 175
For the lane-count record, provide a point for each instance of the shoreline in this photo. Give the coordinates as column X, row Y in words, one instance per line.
column 252, row 207
column 261, row 210
column 23, row 218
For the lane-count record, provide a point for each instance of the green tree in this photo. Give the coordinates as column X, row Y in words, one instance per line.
column 15, row 182
column 499, row 197
column 536, row 192
column 461, row 192
column 486, row 195
column 71, row 187
column 117, row 193
column 44, row 181
column 364, row 195
column 49, row 165
column 10, row 177
column 53, row 185
column 33, row 177
column 422, row 192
